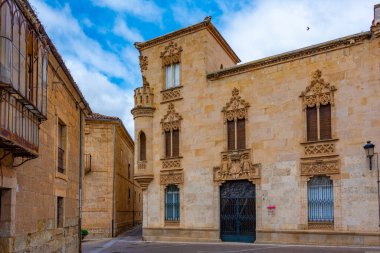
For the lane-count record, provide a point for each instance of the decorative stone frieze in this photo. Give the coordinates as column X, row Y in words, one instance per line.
column 171, row 54
column 237, row 165
column 236, row 108
column 319, row 149
column 318, row 92
column 171, row 177
column 315, row 167
column 171, row 163
column 172, row 120
column 171, row 94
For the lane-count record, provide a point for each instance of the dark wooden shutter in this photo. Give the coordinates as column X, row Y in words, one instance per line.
column 168, row 145
column 142, row 146
column 231, row 135
column 240, row 132
column 175, row 142
column 325, row 121
column 312, row 128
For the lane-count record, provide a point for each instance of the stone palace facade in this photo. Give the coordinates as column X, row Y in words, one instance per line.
column 266, row 151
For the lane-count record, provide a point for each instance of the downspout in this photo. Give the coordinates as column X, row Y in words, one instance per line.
column 80, row 180
column 113, row 181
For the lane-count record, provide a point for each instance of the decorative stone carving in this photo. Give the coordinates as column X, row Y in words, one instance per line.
column 321, row 225
column 144, row 101
column 144, row 180
column 141, row 165
column 172, row 120
column 171, row 54
column 320, row 167
column 236, row 108
column 171, row 94
column 171, row 177
column 143, row 61
column 237, row 165
column 319, row 149
column 168, row 164
column 318, row 92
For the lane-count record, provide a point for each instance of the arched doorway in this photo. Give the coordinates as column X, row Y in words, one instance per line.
column 238, row 211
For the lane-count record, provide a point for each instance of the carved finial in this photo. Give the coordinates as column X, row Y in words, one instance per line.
column 235, row 92
column 207, row 19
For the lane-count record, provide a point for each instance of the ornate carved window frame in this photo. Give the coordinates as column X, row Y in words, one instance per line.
column 236, row 164
column 236, row 108
column 317, row 93
column 171, row 121
column 171, row 55
column 320, row 157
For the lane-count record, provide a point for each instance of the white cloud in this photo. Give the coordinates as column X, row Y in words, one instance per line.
column 146, row 10
column 92, row 66
column 127, row 33
column 265, row 28
column 187, row 15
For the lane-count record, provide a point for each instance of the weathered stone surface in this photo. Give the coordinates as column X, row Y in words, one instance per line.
column 108, row 185
column 275, row 134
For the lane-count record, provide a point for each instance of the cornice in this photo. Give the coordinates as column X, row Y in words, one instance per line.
column 292, row 55
column 205, row 24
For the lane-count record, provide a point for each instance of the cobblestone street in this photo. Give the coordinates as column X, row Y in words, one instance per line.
column 131, row 242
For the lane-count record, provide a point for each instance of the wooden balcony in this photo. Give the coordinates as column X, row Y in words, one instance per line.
column 18, row 127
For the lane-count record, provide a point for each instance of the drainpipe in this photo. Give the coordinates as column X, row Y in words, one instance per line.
column 80, row 180
column 113, row 181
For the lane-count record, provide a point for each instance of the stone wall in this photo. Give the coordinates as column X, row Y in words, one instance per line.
column 109, row 189
column 275, row 136
column 34, row 186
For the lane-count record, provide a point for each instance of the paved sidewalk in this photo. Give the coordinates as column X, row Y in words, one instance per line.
column 130, row 242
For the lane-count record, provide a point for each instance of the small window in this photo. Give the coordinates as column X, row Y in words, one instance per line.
column 172, row 143
column 172, row 203
column 320, row 194
column 172, row 76
column 129, row 171
column 318, row 123
column 236, row 134
column 142, row 146
column 60, row 209
column 61, row 146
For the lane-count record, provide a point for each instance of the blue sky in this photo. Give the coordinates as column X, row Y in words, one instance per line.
column 95, row 37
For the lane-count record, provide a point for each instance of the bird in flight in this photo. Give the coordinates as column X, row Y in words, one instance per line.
column 307, row 28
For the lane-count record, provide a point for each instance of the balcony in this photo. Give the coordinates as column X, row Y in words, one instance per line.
column 18, row 127
column 23, row 83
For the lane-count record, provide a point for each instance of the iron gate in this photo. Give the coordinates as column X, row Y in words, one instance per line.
column 237, row 212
